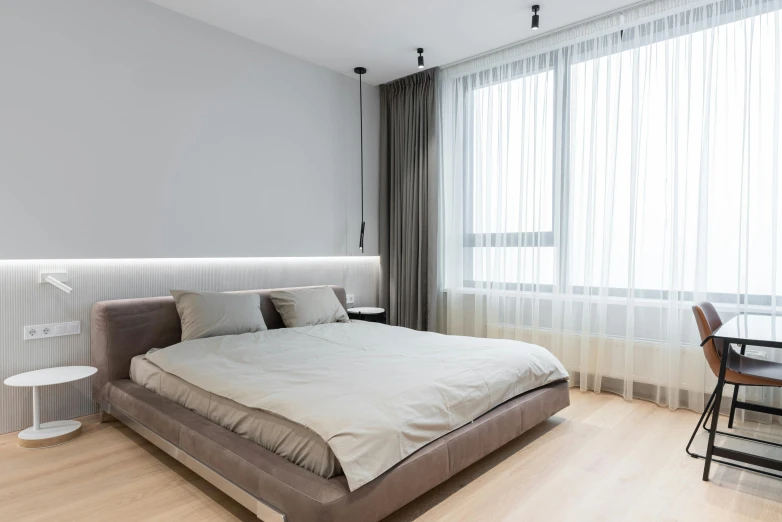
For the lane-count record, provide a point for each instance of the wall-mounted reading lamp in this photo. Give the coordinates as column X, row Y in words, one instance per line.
column 56, row 279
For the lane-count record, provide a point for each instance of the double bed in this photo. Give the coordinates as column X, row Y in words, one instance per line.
column 341, row 421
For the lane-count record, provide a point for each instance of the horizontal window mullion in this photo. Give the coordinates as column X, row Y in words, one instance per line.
column 679, row 295
column 639, row 293
column 509, row 239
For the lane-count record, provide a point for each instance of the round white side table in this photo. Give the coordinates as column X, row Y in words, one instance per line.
column 368, row 313
column 49, row 433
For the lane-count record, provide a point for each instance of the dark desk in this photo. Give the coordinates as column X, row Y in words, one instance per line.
column 752, row 330
column 745, row 330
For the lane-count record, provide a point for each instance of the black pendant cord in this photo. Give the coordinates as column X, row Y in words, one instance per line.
column 361, row 71
column 361, row 126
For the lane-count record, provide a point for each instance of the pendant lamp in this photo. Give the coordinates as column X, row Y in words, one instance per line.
column 361, row 71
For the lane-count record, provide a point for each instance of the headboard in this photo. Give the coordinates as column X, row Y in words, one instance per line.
column 125, row 328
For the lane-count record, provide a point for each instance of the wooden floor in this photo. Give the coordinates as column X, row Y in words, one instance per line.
column 600, row 459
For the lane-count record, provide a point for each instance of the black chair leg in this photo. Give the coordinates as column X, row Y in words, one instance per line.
column 695, row 431
column 706, row 420
column 733, row 405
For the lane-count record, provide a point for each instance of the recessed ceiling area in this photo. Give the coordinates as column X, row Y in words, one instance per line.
column 383, row 35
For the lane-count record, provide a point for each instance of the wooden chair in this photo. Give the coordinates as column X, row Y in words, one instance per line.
column 741, row 371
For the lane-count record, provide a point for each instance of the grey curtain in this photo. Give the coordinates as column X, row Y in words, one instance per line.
column 408, row 176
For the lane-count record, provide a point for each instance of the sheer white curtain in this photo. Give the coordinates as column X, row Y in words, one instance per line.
column 598, row 181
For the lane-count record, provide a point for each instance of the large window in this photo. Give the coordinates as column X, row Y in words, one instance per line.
column 594, row 185
column 663, row 175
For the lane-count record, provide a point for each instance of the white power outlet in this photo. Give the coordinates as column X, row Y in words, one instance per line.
column 350, row 299
column 38, row 331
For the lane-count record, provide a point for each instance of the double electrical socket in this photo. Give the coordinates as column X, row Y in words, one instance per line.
column 38, row 331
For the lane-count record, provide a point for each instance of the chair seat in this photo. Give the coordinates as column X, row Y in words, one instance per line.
column 753, row 372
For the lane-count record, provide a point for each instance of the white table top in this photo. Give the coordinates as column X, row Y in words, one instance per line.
column 366, row 310
column 49, row 376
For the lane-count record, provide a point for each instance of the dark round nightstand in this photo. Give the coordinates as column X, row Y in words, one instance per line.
column 368, row 313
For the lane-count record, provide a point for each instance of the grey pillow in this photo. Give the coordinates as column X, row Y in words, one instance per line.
column 209, row 314
column 308, row 306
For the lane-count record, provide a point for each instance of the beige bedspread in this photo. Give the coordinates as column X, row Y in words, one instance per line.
column 374, row 393
column 287, row 439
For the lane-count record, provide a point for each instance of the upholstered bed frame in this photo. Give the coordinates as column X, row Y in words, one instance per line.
column 272, row 487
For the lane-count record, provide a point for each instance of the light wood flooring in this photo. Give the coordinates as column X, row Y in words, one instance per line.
column 600, row 459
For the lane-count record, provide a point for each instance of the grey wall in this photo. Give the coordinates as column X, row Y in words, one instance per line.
column 127, row 130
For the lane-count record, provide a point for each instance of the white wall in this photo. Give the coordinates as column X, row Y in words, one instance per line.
column 127, row 130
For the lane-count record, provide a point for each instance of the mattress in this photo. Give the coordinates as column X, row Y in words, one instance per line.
column 375, row 393
column 286, row 438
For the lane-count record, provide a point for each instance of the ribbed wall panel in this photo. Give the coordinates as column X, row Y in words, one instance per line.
column 24, row 301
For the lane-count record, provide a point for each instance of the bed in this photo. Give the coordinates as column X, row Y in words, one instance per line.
column 293, row 474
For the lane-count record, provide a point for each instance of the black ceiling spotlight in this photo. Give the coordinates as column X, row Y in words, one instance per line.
column 420, row 57
column 535, row 17
column 361, row 71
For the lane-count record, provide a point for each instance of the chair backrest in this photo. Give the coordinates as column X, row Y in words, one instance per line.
column 709, row 320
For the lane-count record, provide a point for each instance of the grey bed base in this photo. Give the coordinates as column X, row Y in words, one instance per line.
column 262, row 510
column 263, row 482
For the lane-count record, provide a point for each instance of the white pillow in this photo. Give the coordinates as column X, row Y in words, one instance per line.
column 209, row 314
column 308, row 306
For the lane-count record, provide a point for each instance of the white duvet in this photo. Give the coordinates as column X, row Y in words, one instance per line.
column 374, row 393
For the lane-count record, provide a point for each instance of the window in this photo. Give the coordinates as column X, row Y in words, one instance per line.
column 511, row 191
column 663, row 176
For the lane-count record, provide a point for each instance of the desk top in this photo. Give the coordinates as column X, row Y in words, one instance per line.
column 753, row 330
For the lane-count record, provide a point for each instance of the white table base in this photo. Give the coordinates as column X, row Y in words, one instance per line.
column 49, row 433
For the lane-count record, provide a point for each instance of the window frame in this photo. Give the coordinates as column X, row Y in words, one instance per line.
column 472, row 239
column 622, row 40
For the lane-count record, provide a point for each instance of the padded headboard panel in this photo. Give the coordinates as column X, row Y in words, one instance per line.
column 125, row 328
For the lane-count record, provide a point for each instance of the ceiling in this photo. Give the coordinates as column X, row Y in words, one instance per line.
column 383, row 35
